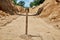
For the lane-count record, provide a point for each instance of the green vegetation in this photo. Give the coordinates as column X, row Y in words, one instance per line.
column 21, row 3
column 36, row 3
column 15, row 2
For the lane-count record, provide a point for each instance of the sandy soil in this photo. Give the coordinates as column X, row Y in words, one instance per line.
column 37, row 26
column 4, row 20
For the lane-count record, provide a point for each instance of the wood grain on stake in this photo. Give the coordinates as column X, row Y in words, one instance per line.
column 27, row 21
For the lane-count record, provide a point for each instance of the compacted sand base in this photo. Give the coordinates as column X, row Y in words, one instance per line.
column 36, row 27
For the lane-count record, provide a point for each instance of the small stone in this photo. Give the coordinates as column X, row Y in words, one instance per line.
column 48, row 32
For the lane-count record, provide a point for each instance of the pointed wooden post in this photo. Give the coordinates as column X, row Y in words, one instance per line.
column 27, row 11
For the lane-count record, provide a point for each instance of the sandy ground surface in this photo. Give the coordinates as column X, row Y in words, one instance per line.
column 37, row 26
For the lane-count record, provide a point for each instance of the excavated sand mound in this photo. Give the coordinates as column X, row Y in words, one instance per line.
column 51, row 9
column 50, row 12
